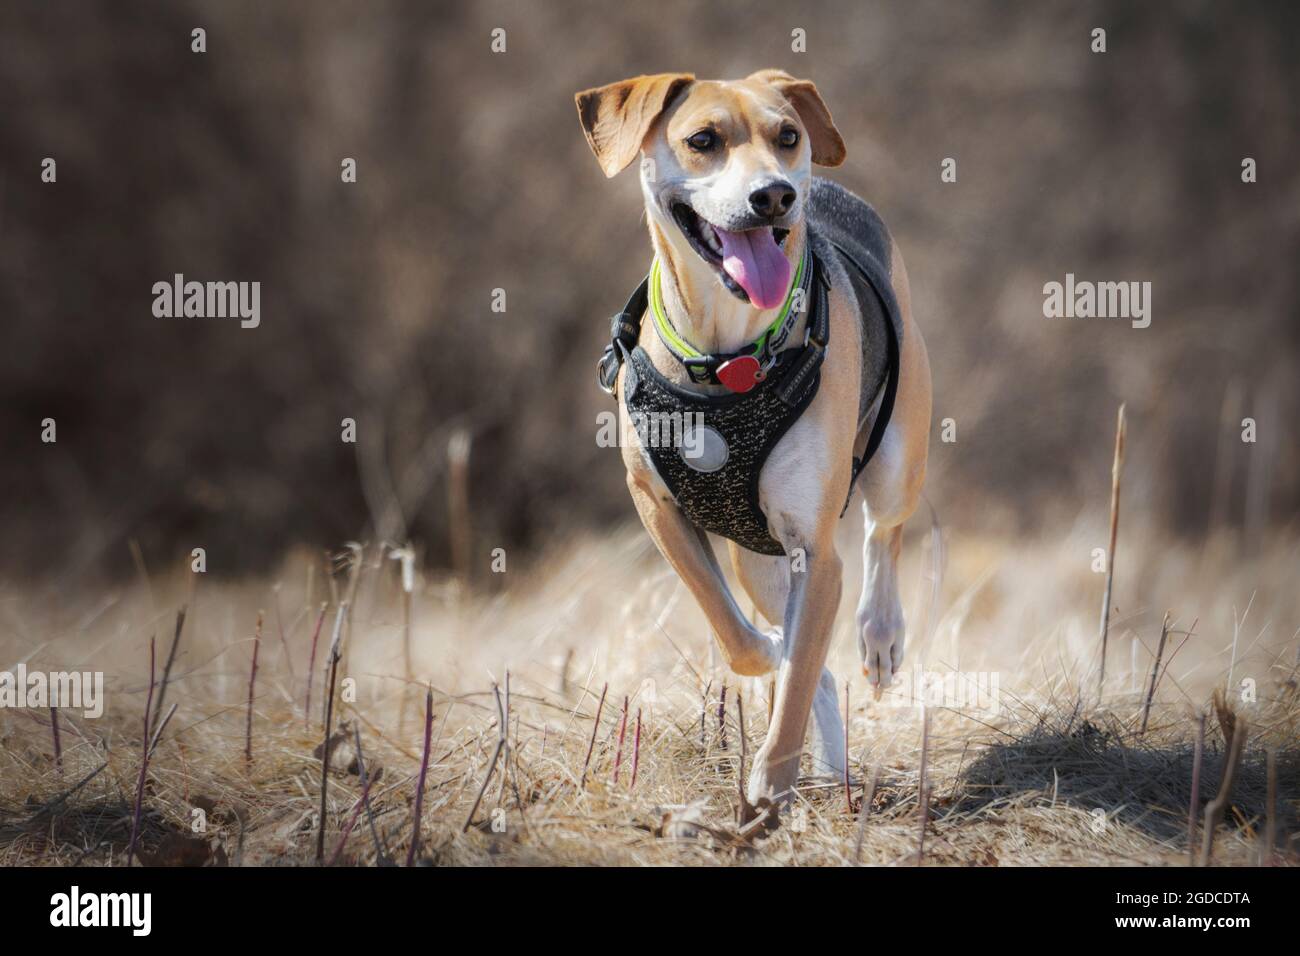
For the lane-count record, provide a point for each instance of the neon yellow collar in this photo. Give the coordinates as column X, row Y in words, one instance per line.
column 684, row 348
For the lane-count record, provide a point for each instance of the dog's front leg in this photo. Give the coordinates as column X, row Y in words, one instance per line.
column 748, row 651
column 809, row 616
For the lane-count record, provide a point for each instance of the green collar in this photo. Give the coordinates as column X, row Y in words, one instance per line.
column 765, row 345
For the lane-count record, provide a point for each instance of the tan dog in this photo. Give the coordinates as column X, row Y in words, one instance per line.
column 727, row 176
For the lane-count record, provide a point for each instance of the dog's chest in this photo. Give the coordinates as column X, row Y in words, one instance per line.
column 709, row 450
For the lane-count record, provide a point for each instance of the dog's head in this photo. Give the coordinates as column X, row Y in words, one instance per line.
column 727, row 165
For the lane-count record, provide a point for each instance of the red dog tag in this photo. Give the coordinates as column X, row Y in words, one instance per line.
column 740, row 374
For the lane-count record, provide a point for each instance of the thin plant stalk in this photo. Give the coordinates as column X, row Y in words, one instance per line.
column 414, row 851
column 335, row 652
column 722, row 718
column 381, row 851
column 58, row 745
column 284, row 641
column 923, row 798
column 352, row 822
column 1116, row 470
column 1155, row 672
column 868, row 797
column 252, row 688
column 505, row 750
column 144, row 762
column 848, row 795
column 162, row 725
column 1194, row 804
column 921, row 823
column 406, row 562
column 622, row 732
column 336, row 642
column 636, row 750
column 595, row 725
column 746, row 810
column 167, row 668
column 502, row 732
column 1215, row 809
column 704, row 716
column 311, row 664
column 356, row 564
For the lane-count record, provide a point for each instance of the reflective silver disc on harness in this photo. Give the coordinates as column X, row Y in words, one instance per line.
column 703, row 448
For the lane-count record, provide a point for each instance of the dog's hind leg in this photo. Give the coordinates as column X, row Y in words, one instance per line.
column 766, row 579
column 891, row 486
column 880, row 613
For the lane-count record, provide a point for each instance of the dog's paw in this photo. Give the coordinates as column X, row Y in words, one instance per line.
column 880, row 646
column 758, row 819
column 760, row 655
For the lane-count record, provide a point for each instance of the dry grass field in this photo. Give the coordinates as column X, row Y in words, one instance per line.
column 1040, row 773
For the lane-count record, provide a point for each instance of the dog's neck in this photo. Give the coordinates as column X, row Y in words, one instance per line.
column 700, row 308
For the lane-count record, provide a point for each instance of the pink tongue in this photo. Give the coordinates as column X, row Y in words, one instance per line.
column 755, row 261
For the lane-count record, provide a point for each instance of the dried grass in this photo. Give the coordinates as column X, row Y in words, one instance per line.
column 1051, row 779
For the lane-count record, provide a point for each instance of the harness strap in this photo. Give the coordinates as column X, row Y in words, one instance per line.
column 792, row 387
column 624, row 330
column 886, row 410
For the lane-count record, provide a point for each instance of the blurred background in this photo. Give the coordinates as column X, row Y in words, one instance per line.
column 473, row 175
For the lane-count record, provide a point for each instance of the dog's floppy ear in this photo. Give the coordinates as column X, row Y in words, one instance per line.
column 827, row 146
column 617, row 117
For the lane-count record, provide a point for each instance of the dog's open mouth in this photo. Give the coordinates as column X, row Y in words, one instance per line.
column 750, row 263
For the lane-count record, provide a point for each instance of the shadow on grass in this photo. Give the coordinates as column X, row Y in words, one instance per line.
column 1141, row 782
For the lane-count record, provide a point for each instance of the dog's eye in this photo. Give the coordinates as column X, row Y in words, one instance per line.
column 702, row 141
column 789, row 137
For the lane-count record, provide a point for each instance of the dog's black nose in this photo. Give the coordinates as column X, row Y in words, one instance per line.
column 774, row 199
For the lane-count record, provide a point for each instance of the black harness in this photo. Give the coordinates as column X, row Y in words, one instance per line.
column 709, row 450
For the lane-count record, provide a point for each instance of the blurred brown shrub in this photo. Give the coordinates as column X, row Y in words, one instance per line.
column 473, row 176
